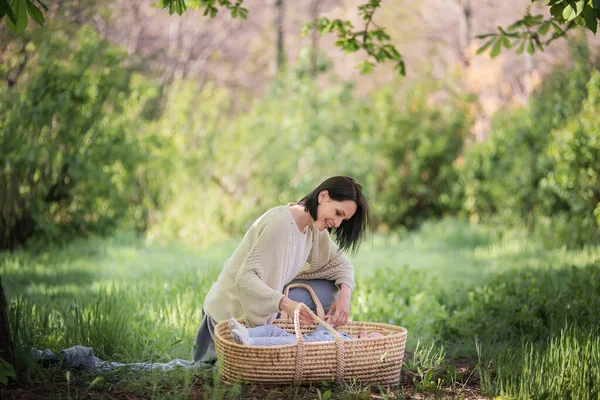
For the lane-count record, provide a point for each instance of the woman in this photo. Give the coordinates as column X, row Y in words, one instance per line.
column 285, row 243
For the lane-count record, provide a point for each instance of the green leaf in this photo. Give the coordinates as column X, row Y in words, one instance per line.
column 34, row 13
column 486, row 45
column 366, row 67
column 160, row 4
column 496, row 48
column 98, row 382
column 557, row 11
column 5, row 9
column 20, row 23
column 591, row 21
column 579, row 20
column 381, row 35
column 305, row 29
column 243, row 13
column 394, row 52
column 515, row 26
column 595, row 4
column 544, row 28
column 531, row 47
column 557, row 29
column 506, row 42
column 45, row 7
column 569, row 13
column 6, row 371
column 181, row 7
column 537, row 42
column 348, row 45
column 521, row 46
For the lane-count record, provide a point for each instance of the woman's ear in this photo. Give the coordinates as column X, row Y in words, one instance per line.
column 323, row 194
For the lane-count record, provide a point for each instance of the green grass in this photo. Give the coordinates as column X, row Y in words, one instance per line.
column 565, row 366
column 454, row 286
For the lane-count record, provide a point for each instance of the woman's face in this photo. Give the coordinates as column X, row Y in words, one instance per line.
column 331, row 213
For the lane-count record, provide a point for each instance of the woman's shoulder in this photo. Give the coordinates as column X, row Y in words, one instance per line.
column 277, row 218
column 278, row 213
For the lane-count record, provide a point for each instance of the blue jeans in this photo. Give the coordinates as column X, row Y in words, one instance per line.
column 326, row 291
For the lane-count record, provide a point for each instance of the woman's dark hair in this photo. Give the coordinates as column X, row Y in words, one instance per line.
column 351, row 232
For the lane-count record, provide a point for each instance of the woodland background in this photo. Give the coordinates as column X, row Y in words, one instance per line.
column 137, row 147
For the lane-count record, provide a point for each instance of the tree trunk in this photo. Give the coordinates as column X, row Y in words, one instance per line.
column 279, row 11
column 314, row 48
column 6, row 347
column 467, row 15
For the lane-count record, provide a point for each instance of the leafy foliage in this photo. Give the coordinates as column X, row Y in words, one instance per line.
column 574, row 178
column 376, row 43
column 18, row 13
column 528, row 305
column 180, row 6
column 6, row 371
column 418, row 135
column 297, row 135
column 535, row 32
column 67, row 139
column 529, row 32
column 540, row 162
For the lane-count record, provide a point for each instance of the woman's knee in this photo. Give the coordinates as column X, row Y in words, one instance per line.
column 325, row 290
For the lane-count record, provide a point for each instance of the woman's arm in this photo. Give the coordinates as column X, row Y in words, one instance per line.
column 260, row 274
column 340, row 309
column 258, row 300
column 328, row 262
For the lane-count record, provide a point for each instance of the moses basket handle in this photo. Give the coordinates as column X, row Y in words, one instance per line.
column 313, row 295
column 301, row 350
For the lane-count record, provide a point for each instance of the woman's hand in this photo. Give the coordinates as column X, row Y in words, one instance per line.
column 289, row 306
column 341, row 306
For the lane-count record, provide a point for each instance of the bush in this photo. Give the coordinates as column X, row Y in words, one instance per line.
column 68, row 140
column 539, row 166
column 404, row 297
column 520, row 306
column 420, row 134
column 400, row 148
column 574, row 176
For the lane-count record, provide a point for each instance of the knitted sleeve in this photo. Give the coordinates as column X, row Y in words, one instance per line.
column 327, row 261
column 266, row 262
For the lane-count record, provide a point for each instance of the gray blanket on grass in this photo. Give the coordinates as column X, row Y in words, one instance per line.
column 80, row 357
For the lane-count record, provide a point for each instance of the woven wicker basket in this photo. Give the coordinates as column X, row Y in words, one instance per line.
column 367, row 359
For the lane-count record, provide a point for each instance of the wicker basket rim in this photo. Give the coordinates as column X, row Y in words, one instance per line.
column 402, row 333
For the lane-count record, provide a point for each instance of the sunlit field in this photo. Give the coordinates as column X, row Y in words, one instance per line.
column 524, row 319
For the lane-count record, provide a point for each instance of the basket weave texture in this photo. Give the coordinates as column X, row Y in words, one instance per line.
column 373, row 360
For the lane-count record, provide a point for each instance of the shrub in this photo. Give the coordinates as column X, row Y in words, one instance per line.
column 539, row 166
column 68, row 141
column 519, row 306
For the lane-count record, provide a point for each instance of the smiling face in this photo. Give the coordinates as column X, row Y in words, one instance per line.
column 331, row 213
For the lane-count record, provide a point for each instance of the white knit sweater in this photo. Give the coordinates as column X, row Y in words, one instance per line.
column 272, row 253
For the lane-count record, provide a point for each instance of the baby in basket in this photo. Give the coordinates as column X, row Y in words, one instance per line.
column 271, row 335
